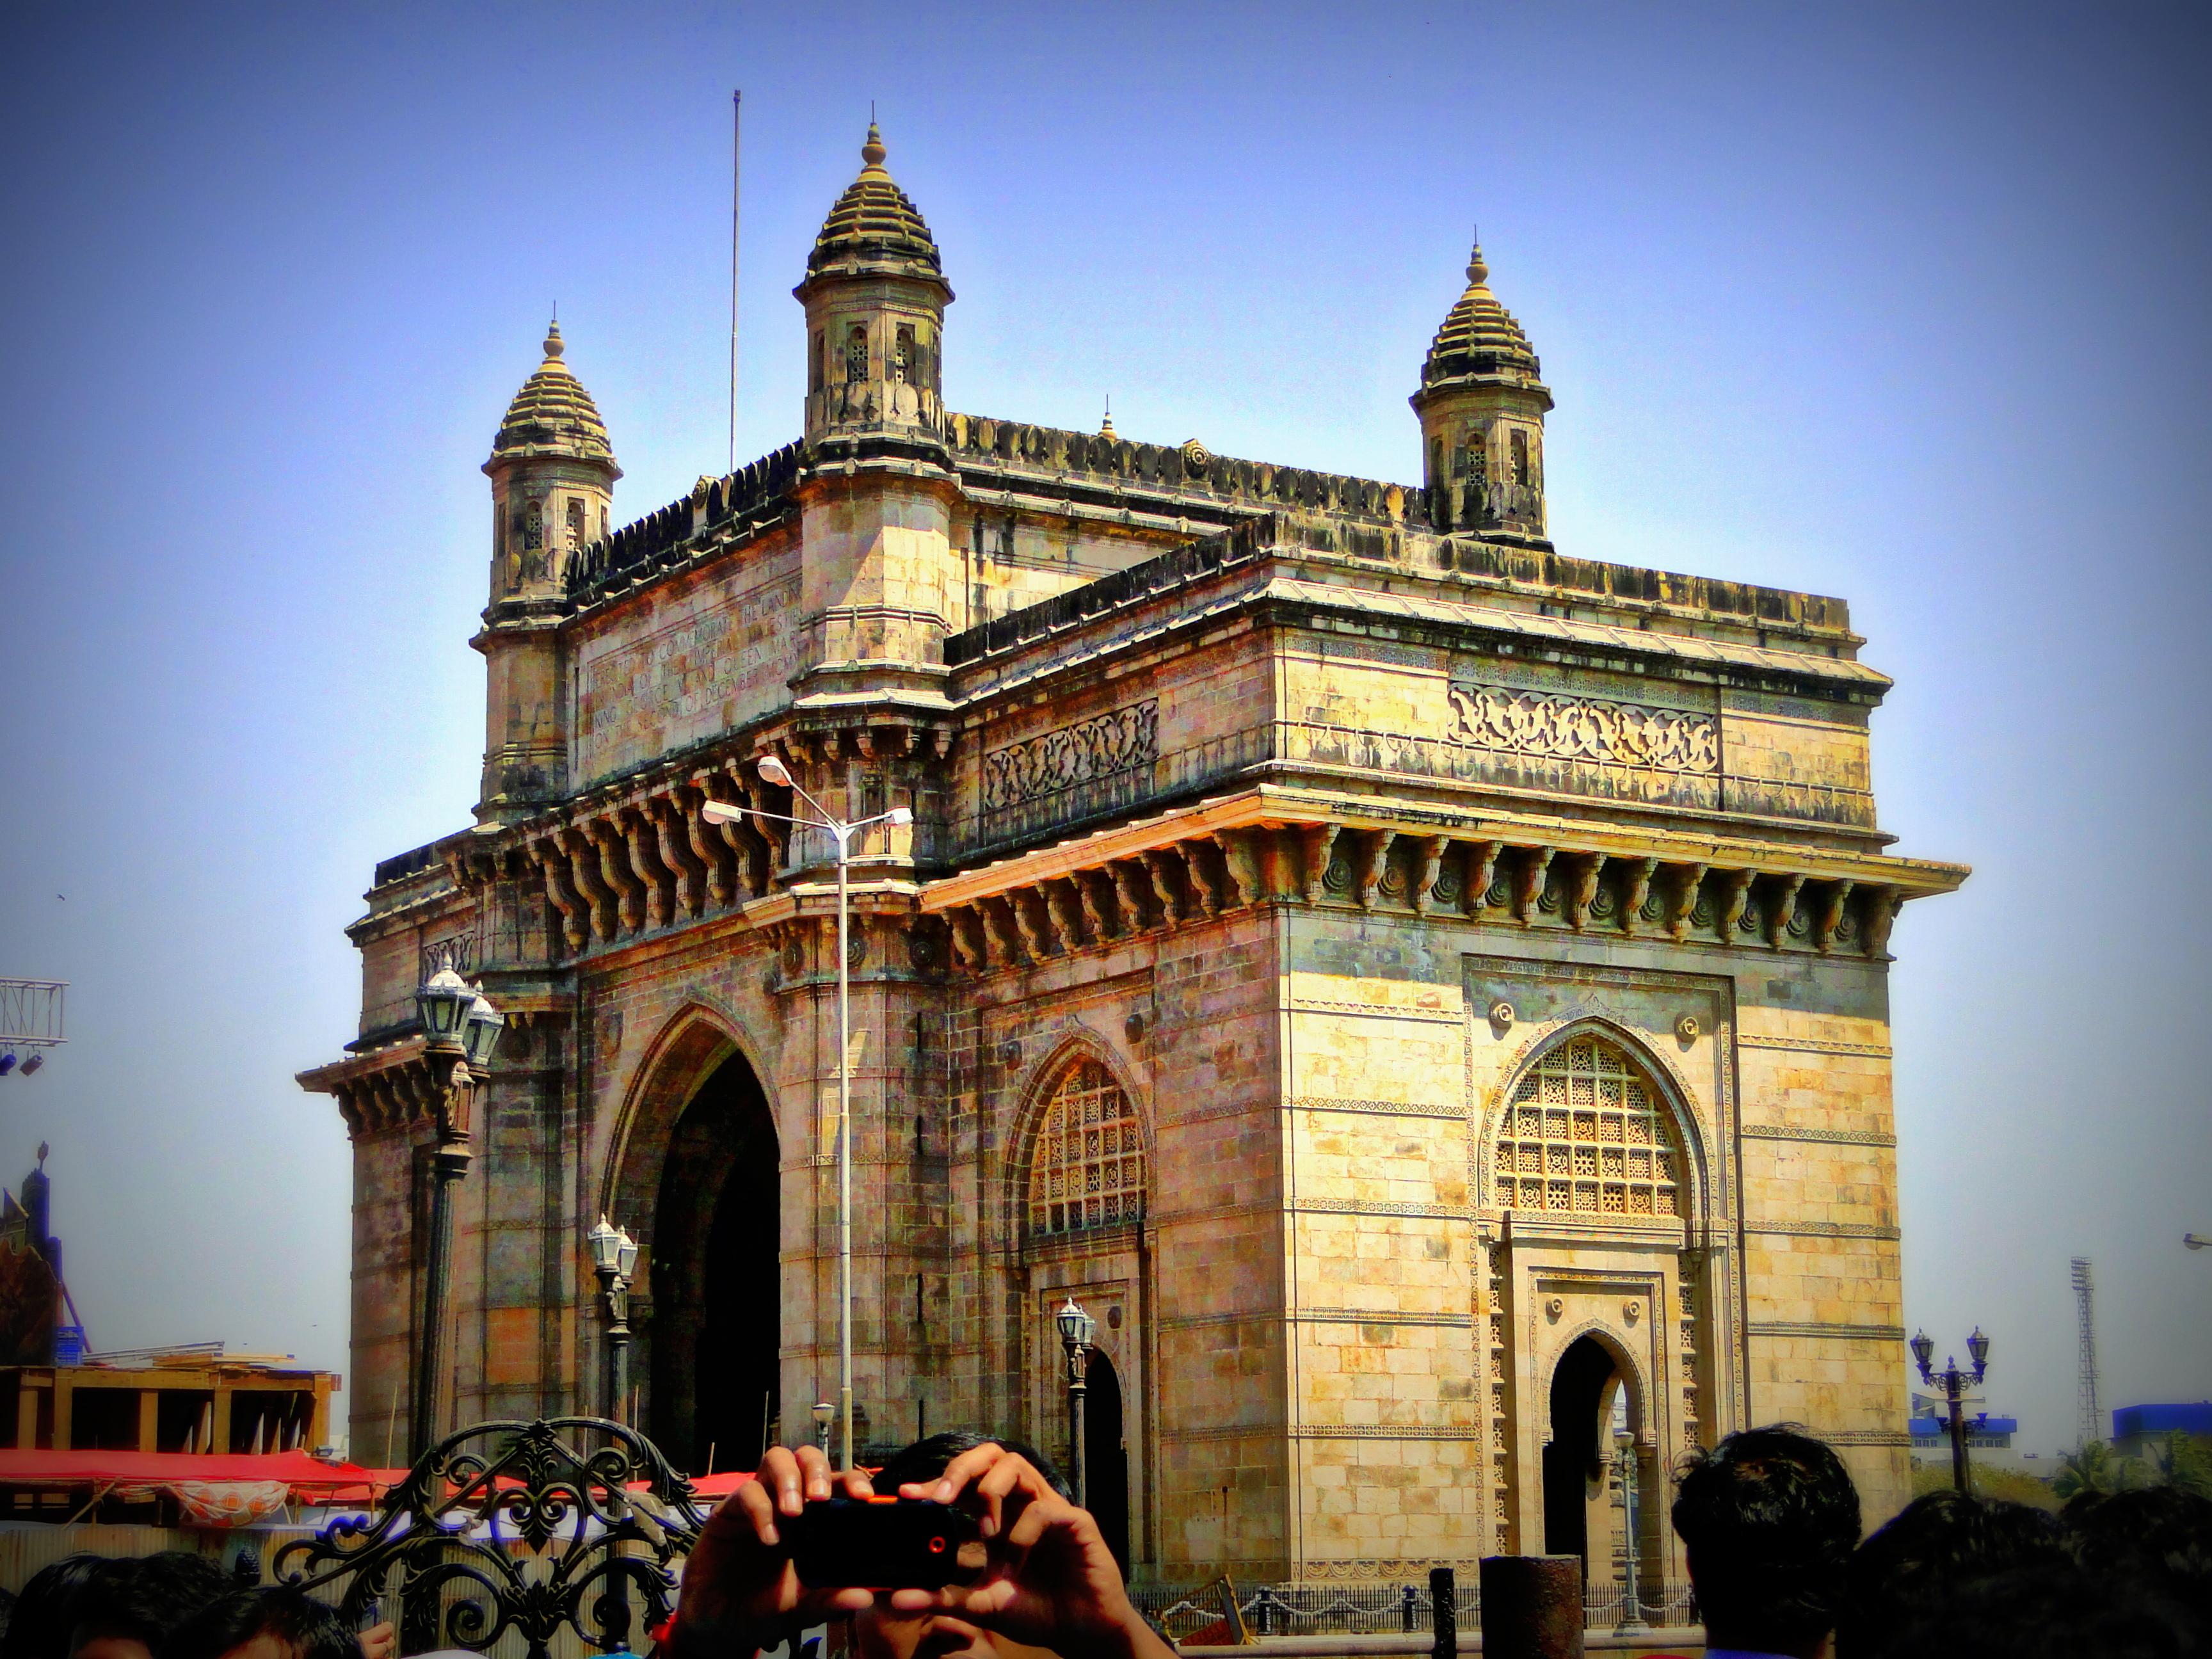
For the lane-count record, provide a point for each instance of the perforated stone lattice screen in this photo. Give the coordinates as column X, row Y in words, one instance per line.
column 1089, row 1170
column 1586, row 1133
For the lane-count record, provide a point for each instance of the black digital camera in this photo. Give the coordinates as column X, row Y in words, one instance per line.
column 880, row 1543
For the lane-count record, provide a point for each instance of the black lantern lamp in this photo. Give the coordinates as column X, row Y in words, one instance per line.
column 614, row 1259
column 1954, row 1382
column 460, row 1031
column 444, row 1001
column 1076, row 1329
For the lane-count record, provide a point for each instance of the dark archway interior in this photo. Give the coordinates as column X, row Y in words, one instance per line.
column 1105, row 1449
column 717, row 1279
column 1574, row 1458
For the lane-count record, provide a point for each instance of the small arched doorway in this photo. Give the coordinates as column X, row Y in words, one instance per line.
column 1106, row 1452
column 717, row 1278
column 1574, row 1461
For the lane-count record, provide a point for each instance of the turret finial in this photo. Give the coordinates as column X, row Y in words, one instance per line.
column 42, row 1155
column 873, row 152
column 553, row 346
column 1106, row 427
column 1477, row 272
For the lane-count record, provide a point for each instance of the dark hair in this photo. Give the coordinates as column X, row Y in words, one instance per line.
column 1919, row 1561
column 2047, row 1612
column 44, row 1610
column 925, row 1460
column 38, row 1626
column 2156, row 1542
column 147, row 1599
column 308, row 1628
column 1770, row 1518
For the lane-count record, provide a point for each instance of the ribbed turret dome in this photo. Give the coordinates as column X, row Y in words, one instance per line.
column 874, row 227
column 1480, row 335
column 553, row 415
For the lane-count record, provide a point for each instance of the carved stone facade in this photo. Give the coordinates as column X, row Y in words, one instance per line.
column 1415, row 988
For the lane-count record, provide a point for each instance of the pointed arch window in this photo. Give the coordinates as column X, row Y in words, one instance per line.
column 856, row 352
column 1520, row 459
column 1587, row 1132
column 533, row 526
column 1088, row 1168
column 575, row 523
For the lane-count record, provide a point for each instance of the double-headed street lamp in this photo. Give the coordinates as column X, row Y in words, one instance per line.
column 774, row 771
column 460, row 1029
column 1632, row 1612
column 1954, row 1382
column 614, row 1258
column 1076, row 1329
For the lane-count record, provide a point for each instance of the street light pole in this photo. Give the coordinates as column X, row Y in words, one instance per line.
column 774, row 771
column 1076, row 1329
column 460, row 1031
column 1632, row 1616
column 1954, row 1382
column 614, row 1258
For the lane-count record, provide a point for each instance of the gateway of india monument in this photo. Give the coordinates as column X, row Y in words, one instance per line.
column 1425, row 995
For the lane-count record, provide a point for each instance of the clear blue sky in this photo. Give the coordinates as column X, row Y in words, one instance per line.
column 1901, row 303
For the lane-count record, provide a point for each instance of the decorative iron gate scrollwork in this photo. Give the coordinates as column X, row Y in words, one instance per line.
column 534, row 1526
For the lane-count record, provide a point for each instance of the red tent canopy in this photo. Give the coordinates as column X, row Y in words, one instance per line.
column 78, row 1468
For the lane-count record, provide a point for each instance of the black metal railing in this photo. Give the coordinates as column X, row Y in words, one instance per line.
column 513, row 1530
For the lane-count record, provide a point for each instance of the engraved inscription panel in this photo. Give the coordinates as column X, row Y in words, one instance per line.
column 1586, row 728
column 1078, row 768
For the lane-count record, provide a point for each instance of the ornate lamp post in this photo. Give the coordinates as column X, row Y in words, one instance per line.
column 460, row 1029
column 774, row 771
column 1076, row 1330
column 1953, row 1381
column 614, row 1258
column 1632, row 1612
column 824, row 1415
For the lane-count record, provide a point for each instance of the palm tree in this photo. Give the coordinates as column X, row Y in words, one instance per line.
column 2184, row 1461
column 2094, row 1469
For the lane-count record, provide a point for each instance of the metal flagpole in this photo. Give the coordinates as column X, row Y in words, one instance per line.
column 737, row 127
column 844, row 1163
column 737, row 133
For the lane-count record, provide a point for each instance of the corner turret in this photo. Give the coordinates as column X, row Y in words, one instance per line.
column 1482, row 406
column 553, row 474
column 875, row 295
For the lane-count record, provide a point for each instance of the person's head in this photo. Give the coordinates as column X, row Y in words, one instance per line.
column 2047, row 1612
column 1936, row 1547
column 129, row 1609
column 269, row 1622
column 1769, row 1518
column 925, row 1460
column 877, row 1631
column 2157, row 1540
column 38, row 1627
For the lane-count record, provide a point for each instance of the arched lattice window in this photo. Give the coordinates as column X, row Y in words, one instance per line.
column 856, row 352
column 575, row 524
column 533, row 525
column 1585, row 1132
column 1089, row 1167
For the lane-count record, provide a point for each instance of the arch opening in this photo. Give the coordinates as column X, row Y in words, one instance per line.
column 1106, row 1453
column 717, row 1278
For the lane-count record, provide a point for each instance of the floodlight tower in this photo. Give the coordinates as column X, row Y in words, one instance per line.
column 2092, row 1425
column 30, row 1023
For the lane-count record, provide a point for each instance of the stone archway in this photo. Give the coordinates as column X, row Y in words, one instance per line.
column 1582, row 1382
column 716, row 1334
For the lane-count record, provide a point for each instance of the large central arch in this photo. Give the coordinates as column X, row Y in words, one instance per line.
column 717, row 1283
column 698, row 1166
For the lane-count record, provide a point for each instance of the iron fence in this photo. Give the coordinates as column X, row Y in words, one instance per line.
column 1377, row 1609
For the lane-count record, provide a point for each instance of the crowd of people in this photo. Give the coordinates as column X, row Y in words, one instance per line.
column 175, row 1605
column 1769, row 1521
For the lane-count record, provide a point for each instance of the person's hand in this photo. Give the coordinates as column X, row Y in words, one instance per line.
column 1049, row 1579
column 380, row 1641
column 740, row 1590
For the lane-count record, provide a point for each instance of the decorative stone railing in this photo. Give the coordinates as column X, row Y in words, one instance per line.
column 685, row 526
